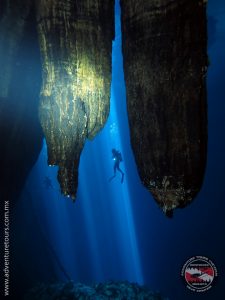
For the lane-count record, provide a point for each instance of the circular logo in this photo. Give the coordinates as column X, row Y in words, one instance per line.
column 199, row 273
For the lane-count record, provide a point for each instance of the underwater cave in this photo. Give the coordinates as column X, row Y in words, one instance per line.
column 165, row 63
column 78, row 79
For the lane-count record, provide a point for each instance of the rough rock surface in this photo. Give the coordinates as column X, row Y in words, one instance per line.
column 165, row 63
column 102, row 291
column 76, row 45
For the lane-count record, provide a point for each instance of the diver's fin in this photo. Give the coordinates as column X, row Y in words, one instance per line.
column 122, row 178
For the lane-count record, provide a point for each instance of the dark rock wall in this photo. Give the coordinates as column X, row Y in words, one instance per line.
column 20, row 81
column 165, row 63
column 76, row 44
column 12, row 21
column 20, row 131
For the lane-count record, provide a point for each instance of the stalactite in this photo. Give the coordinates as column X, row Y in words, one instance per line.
column 165, row 63
column 76, row 43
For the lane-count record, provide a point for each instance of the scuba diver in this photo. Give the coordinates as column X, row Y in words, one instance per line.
column 117, row 157
column 48, row 183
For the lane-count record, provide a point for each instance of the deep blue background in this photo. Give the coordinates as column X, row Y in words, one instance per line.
column 116, row 231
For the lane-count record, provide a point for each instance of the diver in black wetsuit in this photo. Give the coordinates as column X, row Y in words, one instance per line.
column 117, row 157
column 48, row 183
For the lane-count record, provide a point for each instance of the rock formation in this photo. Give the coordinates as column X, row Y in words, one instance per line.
column 104, row 291
column 165, row 62
column 76, row 45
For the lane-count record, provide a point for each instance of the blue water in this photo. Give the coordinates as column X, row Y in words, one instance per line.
column 116, row 231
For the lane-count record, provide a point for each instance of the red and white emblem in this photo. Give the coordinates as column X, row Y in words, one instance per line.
column 199, row 273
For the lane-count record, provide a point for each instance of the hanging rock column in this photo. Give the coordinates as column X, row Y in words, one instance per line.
column 76, row 45
column 165, row 63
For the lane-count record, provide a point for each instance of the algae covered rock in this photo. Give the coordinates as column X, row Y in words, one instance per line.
column 119, row 290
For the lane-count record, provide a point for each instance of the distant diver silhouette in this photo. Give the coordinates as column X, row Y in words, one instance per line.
column 48, row 183
column 117, row 157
